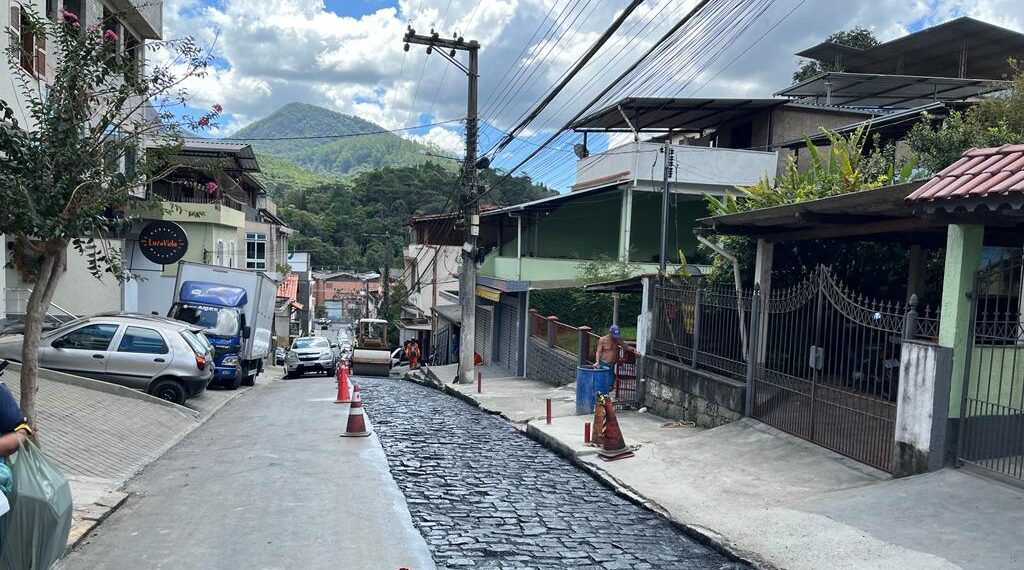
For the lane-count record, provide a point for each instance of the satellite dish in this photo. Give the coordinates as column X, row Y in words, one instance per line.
column 580, row 150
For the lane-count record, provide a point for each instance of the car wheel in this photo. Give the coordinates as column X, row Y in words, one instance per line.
column 169, row 389
column 235, row 382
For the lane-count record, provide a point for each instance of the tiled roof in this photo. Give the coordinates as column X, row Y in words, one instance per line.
column 289, row 288
column 980, row 172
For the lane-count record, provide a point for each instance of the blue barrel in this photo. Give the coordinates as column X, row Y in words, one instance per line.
column 590, row 382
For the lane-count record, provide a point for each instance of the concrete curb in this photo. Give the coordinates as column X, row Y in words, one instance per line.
column 702, row 535
column 105, row 387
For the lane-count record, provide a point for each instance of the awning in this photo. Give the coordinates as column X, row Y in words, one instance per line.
column 414, row 326
column 488, row 293
column 452, row 313
column 889, row 91
column 628, row 285
column 675, row 114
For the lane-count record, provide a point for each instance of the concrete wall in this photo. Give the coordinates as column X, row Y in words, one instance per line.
column 677, row 392
column 78, row 292
column 925, row 374
column 549, row 365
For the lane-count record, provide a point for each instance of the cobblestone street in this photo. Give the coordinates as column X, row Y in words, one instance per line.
column 485, row 496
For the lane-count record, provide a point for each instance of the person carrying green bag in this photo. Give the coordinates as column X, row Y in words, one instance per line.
column 34, row 533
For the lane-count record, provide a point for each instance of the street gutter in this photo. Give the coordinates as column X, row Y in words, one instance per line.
column 702, row 535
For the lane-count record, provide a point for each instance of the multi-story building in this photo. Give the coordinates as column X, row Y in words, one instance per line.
column 134, row 23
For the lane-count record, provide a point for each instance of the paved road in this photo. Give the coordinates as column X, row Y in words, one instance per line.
column 267, row 483
column 485, row 496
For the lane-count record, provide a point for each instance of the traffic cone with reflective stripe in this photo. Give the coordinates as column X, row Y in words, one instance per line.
column 613, row 447
column 356, row 420
column 343, row 395
column 597, row 428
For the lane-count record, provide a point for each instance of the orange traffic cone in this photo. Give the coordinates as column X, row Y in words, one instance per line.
column 613, row 446
column 356, row 420
column 597, row 428
column 343, row 396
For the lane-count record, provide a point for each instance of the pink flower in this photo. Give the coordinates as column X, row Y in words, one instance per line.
column 110, row 35
column 204, row 121
column 68, row 16
column 211, row 188
column 75, row 25
column 217, row 107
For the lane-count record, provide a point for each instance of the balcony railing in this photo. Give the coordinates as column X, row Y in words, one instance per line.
column 697, row 168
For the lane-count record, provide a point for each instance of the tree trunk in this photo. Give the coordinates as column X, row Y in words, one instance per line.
column 50, row 270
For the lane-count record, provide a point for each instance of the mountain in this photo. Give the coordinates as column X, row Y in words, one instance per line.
column 297, row 126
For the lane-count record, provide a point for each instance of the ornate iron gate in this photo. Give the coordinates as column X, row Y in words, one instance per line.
column 828, row 367
column 991, row 432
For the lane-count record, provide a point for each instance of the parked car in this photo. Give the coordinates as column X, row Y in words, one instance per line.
column 310, row 354
column 398, row 357
column 168, row 359
column 279, row 355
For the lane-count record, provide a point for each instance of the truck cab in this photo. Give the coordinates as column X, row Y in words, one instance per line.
column 220, row 311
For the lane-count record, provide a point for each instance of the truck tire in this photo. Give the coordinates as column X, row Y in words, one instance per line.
column 248, row 379
column 169, row 389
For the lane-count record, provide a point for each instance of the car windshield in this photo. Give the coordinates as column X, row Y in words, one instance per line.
column 214, row 321
column 318, row 342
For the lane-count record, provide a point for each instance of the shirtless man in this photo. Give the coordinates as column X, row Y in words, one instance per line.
column 607, row 353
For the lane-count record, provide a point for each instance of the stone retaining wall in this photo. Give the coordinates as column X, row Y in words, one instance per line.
column 678, row 392
column 549, row 365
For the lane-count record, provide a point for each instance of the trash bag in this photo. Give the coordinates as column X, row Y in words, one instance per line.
column 35, row 531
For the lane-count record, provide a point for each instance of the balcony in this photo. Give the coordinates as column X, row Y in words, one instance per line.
column 698, row 169
column 147, row 17
column 197, row 213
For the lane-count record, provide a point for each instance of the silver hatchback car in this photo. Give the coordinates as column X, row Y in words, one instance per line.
column 165, row 358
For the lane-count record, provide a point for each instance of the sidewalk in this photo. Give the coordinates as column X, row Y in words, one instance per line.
column 777, row 500
column 100, row 435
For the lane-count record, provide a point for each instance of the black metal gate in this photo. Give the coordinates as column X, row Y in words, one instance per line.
column 991, row 434
column 828, row 367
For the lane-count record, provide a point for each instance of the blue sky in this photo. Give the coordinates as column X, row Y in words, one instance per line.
column 347, row 55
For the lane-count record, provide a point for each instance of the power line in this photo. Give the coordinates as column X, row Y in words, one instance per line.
column 341, row 136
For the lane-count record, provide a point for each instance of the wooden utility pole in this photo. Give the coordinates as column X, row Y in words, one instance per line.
column 468, row 202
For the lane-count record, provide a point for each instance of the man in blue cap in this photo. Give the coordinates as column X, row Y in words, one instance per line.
column 607, row 353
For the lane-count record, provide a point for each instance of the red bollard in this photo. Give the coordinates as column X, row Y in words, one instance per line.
column 549, row 410
column 479, row 382
column 586, row 432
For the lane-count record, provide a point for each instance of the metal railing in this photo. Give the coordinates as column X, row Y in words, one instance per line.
column 17, row 303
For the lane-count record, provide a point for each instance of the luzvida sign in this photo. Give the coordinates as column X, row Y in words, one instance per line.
column 163, row 242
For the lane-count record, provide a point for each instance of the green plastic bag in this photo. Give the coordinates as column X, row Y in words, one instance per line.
column 35, row 531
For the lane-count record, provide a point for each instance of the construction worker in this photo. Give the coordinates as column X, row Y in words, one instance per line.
column 414, row 354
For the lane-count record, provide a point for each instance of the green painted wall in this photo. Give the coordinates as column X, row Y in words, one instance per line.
column 963, row 258
column 996, row 378
column 587, row 228
column 645, row 231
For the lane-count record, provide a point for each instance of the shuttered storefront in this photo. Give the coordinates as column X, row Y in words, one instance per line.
column 482, row 342
column 507, row 344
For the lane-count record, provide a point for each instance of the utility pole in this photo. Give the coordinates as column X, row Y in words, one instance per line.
column 469, row 199
column 386, row 287
column 668, row 159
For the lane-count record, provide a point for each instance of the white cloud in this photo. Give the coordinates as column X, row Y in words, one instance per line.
column 444, row 139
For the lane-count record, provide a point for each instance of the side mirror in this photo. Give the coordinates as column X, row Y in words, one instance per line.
column 246, row 332
column 334, row 345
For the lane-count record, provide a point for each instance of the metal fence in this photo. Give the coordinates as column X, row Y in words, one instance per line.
column 820, row 361
column 992, row 403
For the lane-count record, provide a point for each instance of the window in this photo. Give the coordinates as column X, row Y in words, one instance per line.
column 133, row 50
column 32, row 48
column 91, row 337
column 142, row 341
column 255, row 251
column 75, row 7
column 218, row 254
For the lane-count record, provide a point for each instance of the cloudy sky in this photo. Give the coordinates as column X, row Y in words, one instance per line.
column 347, row 55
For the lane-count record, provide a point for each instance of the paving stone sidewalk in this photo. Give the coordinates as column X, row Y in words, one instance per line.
column 782, row 502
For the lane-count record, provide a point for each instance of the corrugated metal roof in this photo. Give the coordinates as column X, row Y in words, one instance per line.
column 980, row 172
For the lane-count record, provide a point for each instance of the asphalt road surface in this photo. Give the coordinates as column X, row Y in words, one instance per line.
column 484, row 495
column 267, row 483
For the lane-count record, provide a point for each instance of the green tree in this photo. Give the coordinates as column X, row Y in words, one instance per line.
column 67, row 173
column 993, row 121
column 858, row 37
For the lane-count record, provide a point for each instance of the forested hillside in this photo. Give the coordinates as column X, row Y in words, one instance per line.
column 296, row 126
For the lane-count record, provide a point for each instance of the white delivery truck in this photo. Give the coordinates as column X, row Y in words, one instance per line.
column 235, row 308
